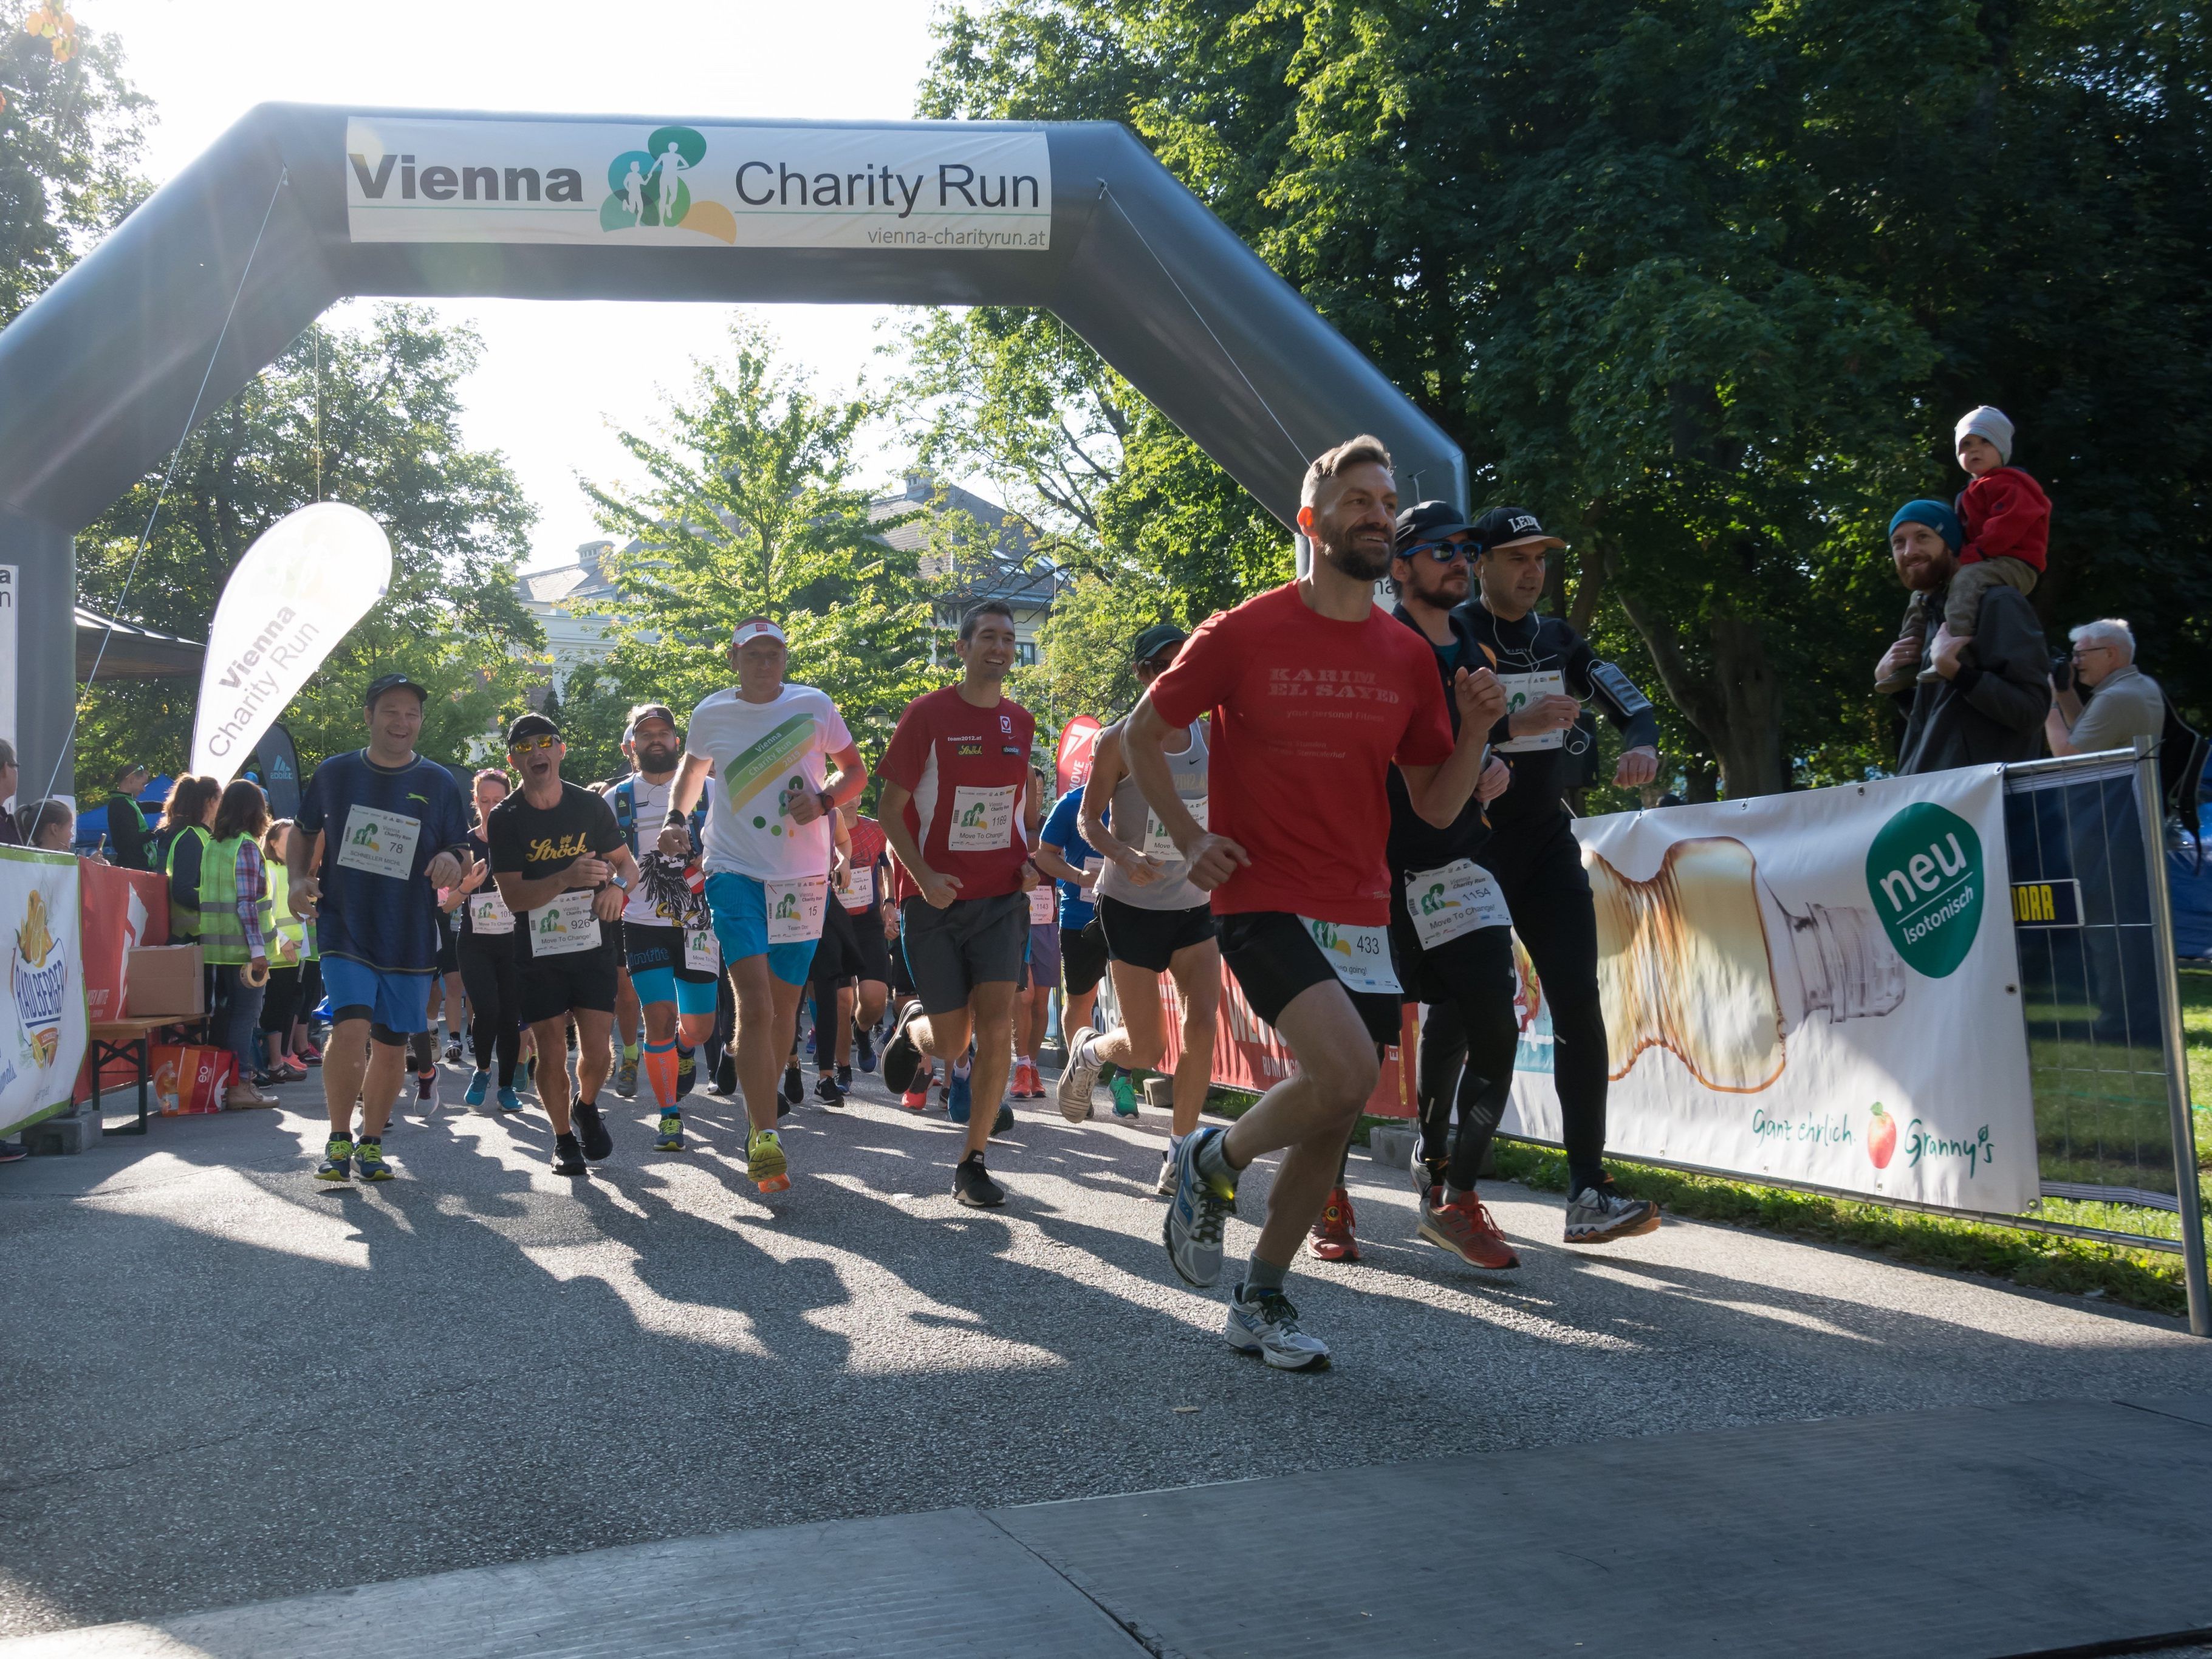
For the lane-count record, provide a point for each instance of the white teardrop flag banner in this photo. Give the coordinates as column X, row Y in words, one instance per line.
column 311, row 576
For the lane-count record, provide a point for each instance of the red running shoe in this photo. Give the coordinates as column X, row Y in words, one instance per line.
column 1027, row 1085
column 1332, row 1239
column 1467, row 1230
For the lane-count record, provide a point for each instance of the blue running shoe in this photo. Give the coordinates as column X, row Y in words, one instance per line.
column 1196, row 1215
column 509, row 1101
column 368, row 1153
column 337, row 1159
column 961, row 1099
column 478, row 1086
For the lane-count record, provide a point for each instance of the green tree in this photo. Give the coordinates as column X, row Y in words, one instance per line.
column 1706, row 284
column 70, row 132
column 752, row 510
column 368, row 415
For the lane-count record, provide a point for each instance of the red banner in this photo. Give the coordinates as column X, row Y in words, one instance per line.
column 1076, row 745
column 1247, row 1054
column 120, row 909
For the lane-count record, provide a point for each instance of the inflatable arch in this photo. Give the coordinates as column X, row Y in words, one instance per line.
column 297, row 207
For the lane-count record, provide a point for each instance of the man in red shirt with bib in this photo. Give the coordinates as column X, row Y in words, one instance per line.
column 955, row 810
column 1314, row 695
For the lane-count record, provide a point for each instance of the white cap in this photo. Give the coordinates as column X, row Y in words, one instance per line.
column 1990, row 423
column 757, row 627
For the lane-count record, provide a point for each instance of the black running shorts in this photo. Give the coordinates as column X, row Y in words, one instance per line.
column 970, row 942
column 1082, row 957
column 549, row 987
column 1148, row 938
column 1274, row 958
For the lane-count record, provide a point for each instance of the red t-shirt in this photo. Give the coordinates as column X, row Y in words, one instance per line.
column 1309, row 713
column 868, row 846
column 969, row 769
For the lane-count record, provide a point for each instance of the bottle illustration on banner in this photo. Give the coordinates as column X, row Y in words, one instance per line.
column 1704, row 960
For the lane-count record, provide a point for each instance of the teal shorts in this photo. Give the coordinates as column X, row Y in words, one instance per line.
column 739, row 904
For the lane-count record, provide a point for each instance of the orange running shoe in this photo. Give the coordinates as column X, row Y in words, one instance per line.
column 1466, row 1228
column 917, row 1097
column 1332, row 1239
column 1027, row 1085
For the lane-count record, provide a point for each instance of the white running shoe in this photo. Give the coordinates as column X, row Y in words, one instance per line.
column 1267, row 1325
column 1076, row 1080
column 1598, row 1215
column 1165, row 1186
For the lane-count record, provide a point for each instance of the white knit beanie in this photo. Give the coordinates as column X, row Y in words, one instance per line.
column 1989, row 423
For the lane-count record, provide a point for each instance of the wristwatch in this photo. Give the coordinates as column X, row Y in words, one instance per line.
column 617, row 881
column 675, row 820
column 827, row 801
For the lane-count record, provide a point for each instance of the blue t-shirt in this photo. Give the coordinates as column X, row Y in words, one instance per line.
column 383, row 920
column 1076, row 909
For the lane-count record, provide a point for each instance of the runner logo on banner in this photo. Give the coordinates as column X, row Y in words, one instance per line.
column 42, row 1017
column 1815, row 987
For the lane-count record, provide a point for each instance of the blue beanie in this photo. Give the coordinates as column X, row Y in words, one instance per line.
column 1936, row 516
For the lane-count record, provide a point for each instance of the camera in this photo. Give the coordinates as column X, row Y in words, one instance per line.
column 2062, row 670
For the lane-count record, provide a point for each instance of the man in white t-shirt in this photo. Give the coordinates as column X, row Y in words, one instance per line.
column 786, row 761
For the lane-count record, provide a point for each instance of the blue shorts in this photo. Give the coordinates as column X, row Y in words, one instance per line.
column 740, row 908
column 397, row 1002
column 655, row 957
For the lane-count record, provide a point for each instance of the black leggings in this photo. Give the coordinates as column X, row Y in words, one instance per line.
column 281, row 1003
column 1541, row 877
column 489, row 976
column 1469, row 981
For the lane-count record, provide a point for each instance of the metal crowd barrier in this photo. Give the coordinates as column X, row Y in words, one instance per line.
column 2093, row 923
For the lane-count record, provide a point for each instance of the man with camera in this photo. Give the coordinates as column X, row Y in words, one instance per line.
column 2128, row 704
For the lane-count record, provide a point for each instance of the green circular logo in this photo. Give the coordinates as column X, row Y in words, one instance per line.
column 1924, row 875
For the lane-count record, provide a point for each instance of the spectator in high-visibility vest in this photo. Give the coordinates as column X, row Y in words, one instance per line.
column 184, row 839
column 235, row 927
column 291, row 971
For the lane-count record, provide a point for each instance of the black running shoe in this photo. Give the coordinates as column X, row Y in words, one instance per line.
column 827, row 1092
column 901, row 1056
column 568, row 1156
column 864, row 1049
column 592, row 1131
column 725, row 1075
column 1005, row 1120
column 794, row 1086
column 845, row 1079
column 972, row 1184
column 687, row 1071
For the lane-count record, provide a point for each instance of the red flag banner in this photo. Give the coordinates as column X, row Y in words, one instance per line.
column 1076, row 745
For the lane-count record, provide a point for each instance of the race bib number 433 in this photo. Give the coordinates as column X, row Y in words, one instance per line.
column 1360, row 956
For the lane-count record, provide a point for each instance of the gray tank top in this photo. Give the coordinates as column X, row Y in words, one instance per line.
column 1133, row 821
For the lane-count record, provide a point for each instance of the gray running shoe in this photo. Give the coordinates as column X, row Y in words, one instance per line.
column 626, row 1080
column 1267, row 1325
column 1075, row 1082
column 1196, row 1214
column 1599, row 1215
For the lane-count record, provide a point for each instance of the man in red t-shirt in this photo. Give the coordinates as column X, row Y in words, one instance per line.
column 956, row 811
column 1314, row 695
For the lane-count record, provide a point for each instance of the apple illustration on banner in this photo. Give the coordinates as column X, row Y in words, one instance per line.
column 1881, row 1137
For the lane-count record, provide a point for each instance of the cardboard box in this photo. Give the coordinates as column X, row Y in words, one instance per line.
column 164, row 982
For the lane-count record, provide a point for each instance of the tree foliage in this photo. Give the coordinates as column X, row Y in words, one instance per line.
column 70, row 138
column 1706, row 284
column 751, row 510
column 370, row 417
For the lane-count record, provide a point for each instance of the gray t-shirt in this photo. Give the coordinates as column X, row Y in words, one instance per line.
column 2127, row 704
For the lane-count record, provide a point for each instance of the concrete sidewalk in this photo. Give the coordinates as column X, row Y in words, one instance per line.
column 1955, row 1535
column 235, row 1386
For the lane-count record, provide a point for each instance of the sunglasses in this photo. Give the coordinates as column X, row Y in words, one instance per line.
column 524, row 745
column 1442, row 552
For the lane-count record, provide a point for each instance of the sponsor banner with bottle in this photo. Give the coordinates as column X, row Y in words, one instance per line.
column 1815, row 987
column 42, row 1018
column 618, row 183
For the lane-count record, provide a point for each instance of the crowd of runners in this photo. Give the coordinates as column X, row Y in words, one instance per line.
column 1352, row 808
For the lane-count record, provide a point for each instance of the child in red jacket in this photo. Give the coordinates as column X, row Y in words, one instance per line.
column 2008, row 524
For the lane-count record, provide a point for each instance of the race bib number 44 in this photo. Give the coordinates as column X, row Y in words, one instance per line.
column 982, row 820
column 794, row 908
column 860, row 890
column 379, row 843
column 566, row 925
column 1360, row 956
column 1457, row 899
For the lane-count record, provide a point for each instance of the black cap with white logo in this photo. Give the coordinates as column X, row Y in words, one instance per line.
column 1429, row 521
column 1511, row 526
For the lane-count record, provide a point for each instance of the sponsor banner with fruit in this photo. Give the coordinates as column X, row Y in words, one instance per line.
column 42, row 1018
column 1813, row 987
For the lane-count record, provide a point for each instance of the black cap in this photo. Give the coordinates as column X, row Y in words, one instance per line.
column 1154, row 640
column 1510, row 526
column 385, row 683
column 530, row 725
column 1428, row 521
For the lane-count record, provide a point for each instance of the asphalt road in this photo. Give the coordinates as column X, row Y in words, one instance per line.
column 227, row 1383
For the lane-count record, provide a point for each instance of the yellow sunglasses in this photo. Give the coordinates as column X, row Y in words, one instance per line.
column 542, row 740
